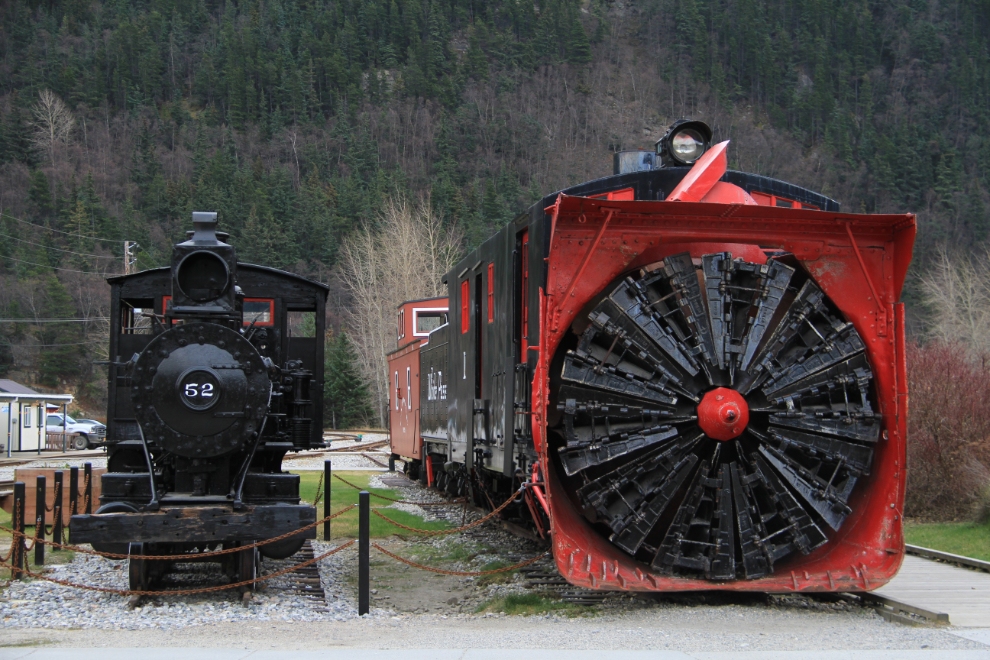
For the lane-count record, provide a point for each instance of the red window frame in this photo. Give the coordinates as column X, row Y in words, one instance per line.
column 465, row 306
column 491, row 293
column 270, row 301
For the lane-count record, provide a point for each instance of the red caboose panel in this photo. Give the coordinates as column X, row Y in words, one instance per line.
column 416, row 319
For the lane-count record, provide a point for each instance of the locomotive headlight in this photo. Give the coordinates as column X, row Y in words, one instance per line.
column 684, row 143
column 687, row 146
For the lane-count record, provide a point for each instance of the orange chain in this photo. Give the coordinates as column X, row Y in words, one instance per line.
column 29, row 548
column 114, row 555
column 58, row 492
column 87, row 493
column 183, row 592
column 17, row 511
column 319, row 491
column 438, row 532
column 462, row 573
column 389, row 499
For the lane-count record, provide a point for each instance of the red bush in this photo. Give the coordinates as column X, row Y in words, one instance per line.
column 948, row 430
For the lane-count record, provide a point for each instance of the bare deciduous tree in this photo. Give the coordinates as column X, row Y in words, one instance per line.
column 957, row 289
column 403, row 259
column 52, row 123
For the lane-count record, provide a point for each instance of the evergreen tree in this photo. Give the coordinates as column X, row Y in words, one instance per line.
column 578, row 45
column 60, row 352
column 346, row 400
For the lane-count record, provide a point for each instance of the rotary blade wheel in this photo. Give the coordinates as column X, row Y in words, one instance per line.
column 714, row 416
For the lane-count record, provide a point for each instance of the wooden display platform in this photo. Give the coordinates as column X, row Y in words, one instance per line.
column 962, row 593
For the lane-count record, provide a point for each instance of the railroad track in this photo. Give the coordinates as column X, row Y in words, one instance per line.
column 355, row 449
column 303, row 581
column 74, row 455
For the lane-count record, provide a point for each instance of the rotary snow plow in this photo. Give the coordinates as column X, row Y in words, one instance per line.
column 720, row 400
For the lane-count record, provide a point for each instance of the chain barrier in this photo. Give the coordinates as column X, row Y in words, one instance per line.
column 14, row 540
column 460, row 573
column 182, row 592
column 87, row 494
column 226, row 551
column 29, row 548
column 389, row 499
column 319, row 491
column 58, row 492
column 440, row 532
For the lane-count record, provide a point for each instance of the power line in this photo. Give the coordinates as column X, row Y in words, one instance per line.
column 92, row 318
column 48, row 247
column 81, row 343
column 68, row 270
column 59, row 231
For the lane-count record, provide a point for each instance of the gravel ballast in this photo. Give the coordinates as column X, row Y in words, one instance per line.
column 39, row 612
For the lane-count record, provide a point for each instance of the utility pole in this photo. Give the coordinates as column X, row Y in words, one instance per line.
column 129, row 257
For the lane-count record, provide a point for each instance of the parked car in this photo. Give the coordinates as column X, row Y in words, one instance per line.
column 88, row 432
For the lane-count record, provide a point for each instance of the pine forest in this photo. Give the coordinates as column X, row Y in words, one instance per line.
column 299, row 121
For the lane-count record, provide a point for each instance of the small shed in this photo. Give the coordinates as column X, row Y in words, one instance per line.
column 23, row 413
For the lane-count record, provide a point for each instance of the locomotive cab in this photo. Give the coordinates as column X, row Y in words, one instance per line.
column 216, row 367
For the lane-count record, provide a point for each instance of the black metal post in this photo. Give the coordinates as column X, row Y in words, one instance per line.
column 20, row 502
column 88, row 470
column 364, row 548
column 57, row 509
column 40, row 503
column 73, row 491
column 391, row 463
column 326, row 499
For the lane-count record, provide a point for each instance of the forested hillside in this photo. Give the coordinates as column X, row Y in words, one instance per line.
column 297, row 119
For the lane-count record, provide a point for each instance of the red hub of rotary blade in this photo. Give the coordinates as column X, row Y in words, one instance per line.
column 723, row 414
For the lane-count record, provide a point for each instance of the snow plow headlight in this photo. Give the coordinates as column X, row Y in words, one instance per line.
column 687, row 146
column 685, row 142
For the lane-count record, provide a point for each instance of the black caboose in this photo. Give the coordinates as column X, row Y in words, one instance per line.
column 216, row 373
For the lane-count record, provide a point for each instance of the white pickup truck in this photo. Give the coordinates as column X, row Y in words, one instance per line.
column 85, row 433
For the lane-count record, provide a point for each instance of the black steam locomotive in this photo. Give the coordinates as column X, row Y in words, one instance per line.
column 216, row 367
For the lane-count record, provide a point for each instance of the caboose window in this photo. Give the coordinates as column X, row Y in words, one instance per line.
column 465, row 306
column 426, row 321
column 402, row 324
column 491, row 293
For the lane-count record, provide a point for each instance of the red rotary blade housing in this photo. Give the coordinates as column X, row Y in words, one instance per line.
column 858, row 263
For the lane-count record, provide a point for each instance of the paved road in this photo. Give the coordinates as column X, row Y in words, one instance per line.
column 470, row 654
